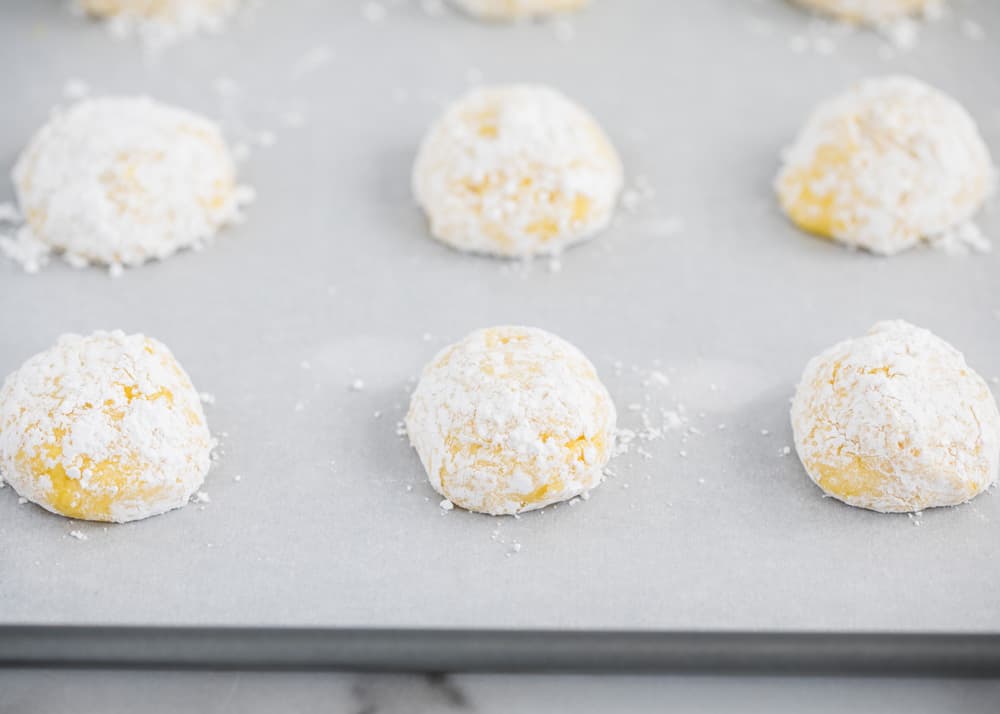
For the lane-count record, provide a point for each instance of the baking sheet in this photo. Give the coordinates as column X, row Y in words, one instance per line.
column 333, row 279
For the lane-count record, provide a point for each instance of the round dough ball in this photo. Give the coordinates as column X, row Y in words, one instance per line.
column 103, row 428
column 511, row 419
column 119, row 181
column 896, row 421
column 516, row 9
column 884, row 165
column 869, row 12
column 516, row 171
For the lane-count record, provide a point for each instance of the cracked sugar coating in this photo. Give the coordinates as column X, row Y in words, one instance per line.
column 871, row 12
column 891, row 161
column 516, row 171
column 119, row 181
column 515, row 9
column 511, row 419
column 896, row 421
column 103, row 428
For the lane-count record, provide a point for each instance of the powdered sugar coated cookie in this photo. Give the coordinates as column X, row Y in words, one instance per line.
column 870, row 12
column 119, row 181
column 511, row 419
column 106, row 427
column 896, row 421
column 516, row 9
column 516, row 171
column 885, row 164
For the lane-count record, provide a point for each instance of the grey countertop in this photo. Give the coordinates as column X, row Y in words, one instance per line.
column 55, row 692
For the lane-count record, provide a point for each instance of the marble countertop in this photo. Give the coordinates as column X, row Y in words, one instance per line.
column 81, row 692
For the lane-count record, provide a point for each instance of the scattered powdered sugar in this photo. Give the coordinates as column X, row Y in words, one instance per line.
column 963, row 239
column 201, row 497
column 25, row 249
column 652, row 418
column 902, row 34
column 78, row 535
column 638, row 193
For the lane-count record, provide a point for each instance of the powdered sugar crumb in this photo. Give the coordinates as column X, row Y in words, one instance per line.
column 201, row 497
column 26, row 250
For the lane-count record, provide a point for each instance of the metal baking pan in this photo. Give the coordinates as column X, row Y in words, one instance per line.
column 331, row 527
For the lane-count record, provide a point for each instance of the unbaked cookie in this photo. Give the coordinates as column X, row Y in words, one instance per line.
column 896, row 421
column 515, row 9
column 870, row 12
column 160, row 22
column 511, row 419
column 516, row 171
column 119, row 181
column 103, row 428
column 888, row 163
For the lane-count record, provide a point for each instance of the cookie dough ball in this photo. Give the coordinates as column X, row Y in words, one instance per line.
column 896, row 421
column 103, row 428
column 516, row 9
column 119, row 181
column 869, row 12
column 884, row 165
column 182, row 15
column 516, row 171
column 511, row 419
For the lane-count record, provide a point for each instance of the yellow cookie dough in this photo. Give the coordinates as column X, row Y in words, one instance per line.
column 516, row 171
column 871, row 12
column 106, row 427
column 896, row 421
column 515, row 9
column 884, row 165
column 511, row 419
